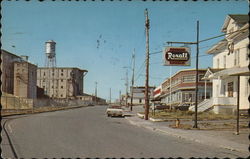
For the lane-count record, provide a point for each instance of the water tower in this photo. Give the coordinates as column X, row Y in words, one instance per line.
column 50, row 51
column 50, row 64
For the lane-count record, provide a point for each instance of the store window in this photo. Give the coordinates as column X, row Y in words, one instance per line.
column 190, row 78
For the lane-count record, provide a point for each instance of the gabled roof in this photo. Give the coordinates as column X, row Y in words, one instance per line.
column 218, row 47
column 240, row 19
column 211, row 71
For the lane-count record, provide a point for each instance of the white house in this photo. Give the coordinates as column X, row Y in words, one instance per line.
column 230, row 67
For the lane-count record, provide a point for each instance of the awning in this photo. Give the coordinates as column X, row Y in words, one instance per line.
column 236, row 71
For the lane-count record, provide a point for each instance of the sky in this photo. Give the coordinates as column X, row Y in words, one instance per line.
column 101, row 36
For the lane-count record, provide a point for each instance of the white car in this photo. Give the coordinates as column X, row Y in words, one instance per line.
column 114, row 111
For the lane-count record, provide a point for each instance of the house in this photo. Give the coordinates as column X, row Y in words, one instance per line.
column 230, row 73
column 61, row 82
column 139, row 95
column 91, row 99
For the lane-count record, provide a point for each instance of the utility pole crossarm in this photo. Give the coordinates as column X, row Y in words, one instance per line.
column 177, row 42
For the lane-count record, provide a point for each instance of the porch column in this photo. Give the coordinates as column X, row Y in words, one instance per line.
column 205, row 89
column 238, row 107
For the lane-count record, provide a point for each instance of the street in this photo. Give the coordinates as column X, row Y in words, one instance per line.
column 88, row 132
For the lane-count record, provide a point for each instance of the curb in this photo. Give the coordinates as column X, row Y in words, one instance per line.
column 186, row 137
column 140, row 115
column 156, row 120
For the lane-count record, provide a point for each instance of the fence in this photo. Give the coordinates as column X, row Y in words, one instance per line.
column 12, row 102
column 18, row 103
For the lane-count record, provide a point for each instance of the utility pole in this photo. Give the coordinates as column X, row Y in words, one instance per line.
column 95, row 92
column 132, row 82
column 126, row 87
column 110, row 95
column 197, row 73
column 147, row 66
column 197, row 77
column 120, row 99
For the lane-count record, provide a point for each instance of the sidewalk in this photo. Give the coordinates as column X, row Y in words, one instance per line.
column 219, row 138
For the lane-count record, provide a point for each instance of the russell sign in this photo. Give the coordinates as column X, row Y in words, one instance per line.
column 176, row 56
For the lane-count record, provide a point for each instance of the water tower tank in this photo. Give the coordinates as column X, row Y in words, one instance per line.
column 50, row 48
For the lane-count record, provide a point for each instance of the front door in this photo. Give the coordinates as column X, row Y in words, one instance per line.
column 230, row 89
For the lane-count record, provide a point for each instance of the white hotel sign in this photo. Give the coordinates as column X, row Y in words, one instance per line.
column 176, row 56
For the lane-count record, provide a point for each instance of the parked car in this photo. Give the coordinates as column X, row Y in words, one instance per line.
column 114, row 111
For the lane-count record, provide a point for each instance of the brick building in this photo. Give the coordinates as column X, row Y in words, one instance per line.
column 179, row 89
column 61, row 82
column 25, row 75
column 7, row 68
column 18, row 75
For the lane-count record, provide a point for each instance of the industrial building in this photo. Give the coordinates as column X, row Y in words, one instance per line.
column 18, row 75
column 7, row 68
column 25, row 79
column 61, row 82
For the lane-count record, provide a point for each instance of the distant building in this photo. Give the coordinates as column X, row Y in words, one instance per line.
column 139, row 95
column 90, row 99
column 7, row 68
column 61, row 82
column 180, row 88
column 230, row 60
column 25, row 75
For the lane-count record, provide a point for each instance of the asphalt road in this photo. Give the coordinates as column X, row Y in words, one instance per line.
column 87, row 132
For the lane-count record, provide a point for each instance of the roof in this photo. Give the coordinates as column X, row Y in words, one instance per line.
column 238, row 18
column 234, row 71
column 7, row 52
column 211, row 71
column 184, row 70
column 64, row 68
column 218, row 47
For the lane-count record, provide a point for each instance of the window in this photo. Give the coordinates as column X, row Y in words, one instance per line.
column 231, row 30
column 247, row 53
column 61, row 74
column 224, row 89
column 224, row 61
column 44, row 74
column 139, row 100
column 61, row 95
column 218, row 63
column 247, row 86
column 61, row 80
column 61, row 70
column 189, row 78
column 61, row 86
column 237, row 57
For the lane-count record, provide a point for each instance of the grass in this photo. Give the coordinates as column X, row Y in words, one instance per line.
column 174, row 114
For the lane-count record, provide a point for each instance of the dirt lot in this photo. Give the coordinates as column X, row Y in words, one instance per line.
column 206, row 120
